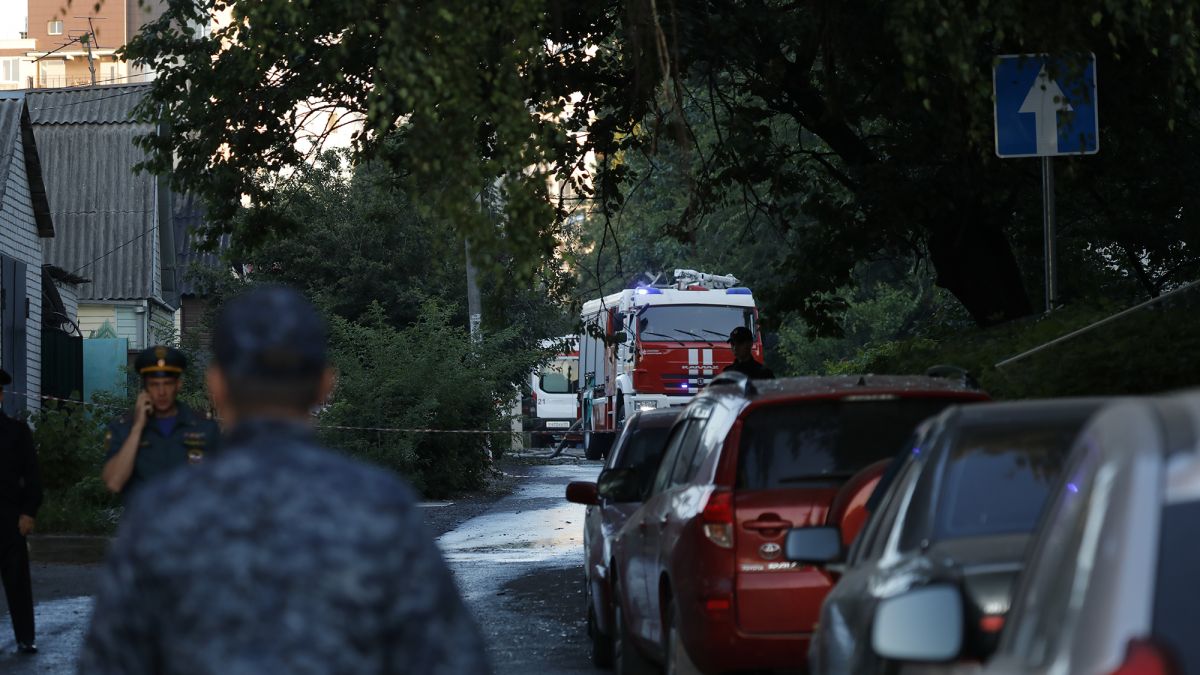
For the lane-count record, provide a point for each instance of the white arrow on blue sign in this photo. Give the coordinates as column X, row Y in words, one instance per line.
column 1044, row 107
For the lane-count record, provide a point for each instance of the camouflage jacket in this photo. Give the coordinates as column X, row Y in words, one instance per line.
column 278, row 557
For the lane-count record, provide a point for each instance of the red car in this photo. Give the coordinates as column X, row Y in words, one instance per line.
column 699, row 577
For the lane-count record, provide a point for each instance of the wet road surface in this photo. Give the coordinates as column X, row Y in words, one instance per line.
column 518, row 565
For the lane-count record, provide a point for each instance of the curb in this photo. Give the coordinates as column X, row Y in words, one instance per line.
column 67, row 549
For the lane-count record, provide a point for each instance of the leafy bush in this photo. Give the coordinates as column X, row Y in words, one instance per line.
column 428, row 375
column 1147, row 351
column 69, row 441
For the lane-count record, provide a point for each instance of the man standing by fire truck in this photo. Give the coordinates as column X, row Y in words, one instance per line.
column 741, row 340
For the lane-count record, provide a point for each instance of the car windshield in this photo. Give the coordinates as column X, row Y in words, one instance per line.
column 1176, row 613
column 997, row 478
column 692, row 323
column 788, row 445
column 558, row 376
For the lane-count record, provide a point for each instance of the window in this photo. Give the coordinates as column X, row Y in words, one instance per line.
column 642, row 451
column 691, row 323
column 54, row 27
column 873, row 540
column 10, row 70
column 824, row 441
column 997, row 479
column 689, row 446
column 1175, row 611
column 663, row 478
column 559, row 376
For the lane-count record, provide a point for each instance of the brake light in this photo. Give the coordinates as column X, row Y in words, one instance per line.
column 991, row 623
column 718, row 518
column 1145, row 658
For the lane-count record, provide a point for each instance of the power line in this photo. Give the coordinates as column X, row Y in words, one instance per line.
column 86, row 265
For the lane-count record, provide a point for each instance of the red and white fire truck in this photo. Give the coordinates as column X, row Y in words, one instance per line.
column 655, row 346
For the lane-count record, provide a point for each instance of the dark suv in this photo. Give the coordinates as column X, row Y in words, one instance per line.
column 700, row 579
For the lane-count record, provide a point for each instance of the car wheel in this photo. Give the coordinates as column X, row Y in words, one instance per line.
column 678, row 660
column 601, row 644
column 628, row 660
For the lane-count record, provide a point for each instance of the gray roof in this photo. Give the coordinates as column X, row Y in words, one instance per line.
column 15, row 131
column 106, row 216
column 111, row 104
column 10, row 127
column 188, row 218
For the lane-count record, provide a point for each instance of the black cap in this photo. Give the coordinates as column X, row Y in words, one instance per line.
column 270, row 332
column 5, row 378
column 160, row 361
column 740, row 334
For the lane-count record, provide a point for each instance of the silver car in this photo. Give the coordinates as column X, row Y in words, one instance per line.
column 1110, row 586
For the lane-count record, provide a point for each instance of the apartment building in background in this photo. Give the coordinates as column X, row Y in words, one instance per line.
column 51, row 53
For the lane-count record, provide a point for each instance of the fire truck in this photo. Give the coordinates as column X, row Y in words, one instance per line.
column 655, row 346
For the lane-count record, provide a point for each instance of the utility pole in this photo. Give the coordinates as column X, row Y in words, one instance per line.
column 474, row 304
column 87, row 41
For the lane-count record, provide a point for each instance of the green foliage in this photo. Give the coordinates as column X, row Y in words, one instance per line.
column 874, row 313
column 69, row 442
column 1144, row 352
column 454, row 75
column 429, row 374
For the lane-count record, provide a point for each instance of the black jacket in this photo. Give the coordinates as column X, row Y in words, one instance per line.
column 20, row 479
column 751, row 368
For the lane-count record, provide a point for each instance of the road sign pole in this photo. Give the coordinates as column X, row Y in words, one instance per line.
column 1048, row 231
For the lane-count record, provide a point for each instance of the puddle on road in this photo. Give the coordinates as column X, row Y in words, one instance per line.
column 61, row 625
column 511, row 533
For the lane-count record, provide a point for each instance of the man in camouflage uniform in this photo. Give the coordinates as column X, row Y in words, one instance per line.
column 277, row 556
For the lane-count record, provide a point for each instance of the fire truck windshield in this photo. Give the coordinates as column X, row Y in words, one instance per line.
column 692, row 323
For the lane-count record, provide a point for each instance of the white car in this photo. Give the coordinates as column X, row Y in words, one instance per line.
column 1110, row 585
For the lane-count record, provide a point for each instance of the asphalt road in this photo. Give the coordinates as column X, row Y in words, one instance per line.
column 518, row 561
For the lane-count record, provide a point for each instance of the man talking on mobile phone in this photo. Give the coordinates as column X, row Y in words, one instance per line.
column 163, row 433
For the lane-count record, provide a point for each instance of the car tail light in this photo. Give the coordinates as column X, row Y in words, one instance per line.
column 1146, row 658
column 718, row 518
column 991, row 623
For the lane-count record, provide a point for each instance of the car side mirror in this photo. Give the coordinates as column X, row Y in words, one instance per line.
column 814, row 545
column 583, row 492
column 924, row 624
column 620, row 485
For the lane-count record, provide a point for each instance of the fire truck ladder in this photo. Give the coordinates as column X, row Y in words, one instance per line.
column 686, row 278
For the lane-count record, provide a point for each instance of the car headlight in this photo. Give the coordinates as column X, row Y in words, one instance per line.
column 647, row 405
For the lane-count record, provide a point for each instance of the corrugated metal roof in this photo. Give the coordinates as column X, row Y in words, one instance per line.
column 112, row 104
column 188, row 219
column 104, row 213
column 10, row 134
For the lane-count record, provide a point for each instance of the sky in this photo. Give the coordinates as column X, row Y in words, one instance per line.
column 12, row 18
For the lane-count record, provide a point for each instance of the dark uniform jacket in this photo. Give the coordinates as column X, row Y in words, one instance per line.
column 20, row 480
column 278, row 557
column 192, row 441
column 750, row 368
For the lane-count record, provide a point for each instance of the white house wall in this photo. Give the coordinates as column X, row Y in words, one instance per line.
column 19, row 239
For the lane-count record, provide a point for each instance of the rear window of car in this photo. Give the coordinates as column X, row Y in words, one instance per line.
column 814, row 441
column 997, row 479
column 644, row 448
column 1176, row 612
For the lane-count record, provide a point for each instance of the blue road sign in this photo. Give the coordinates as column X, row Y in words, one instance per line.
column 1045, row 107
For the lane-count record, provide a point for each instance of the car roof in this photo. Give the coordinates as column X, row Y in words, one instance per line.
column 662, row 417
column 1031, row 410
column 840, row 386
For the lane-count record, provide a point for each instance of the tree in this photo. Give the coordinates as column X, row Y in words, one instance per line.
column 856, row 127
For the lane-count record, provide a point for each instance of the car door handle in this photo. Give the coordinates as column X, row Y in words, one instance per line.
column 767, row 525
